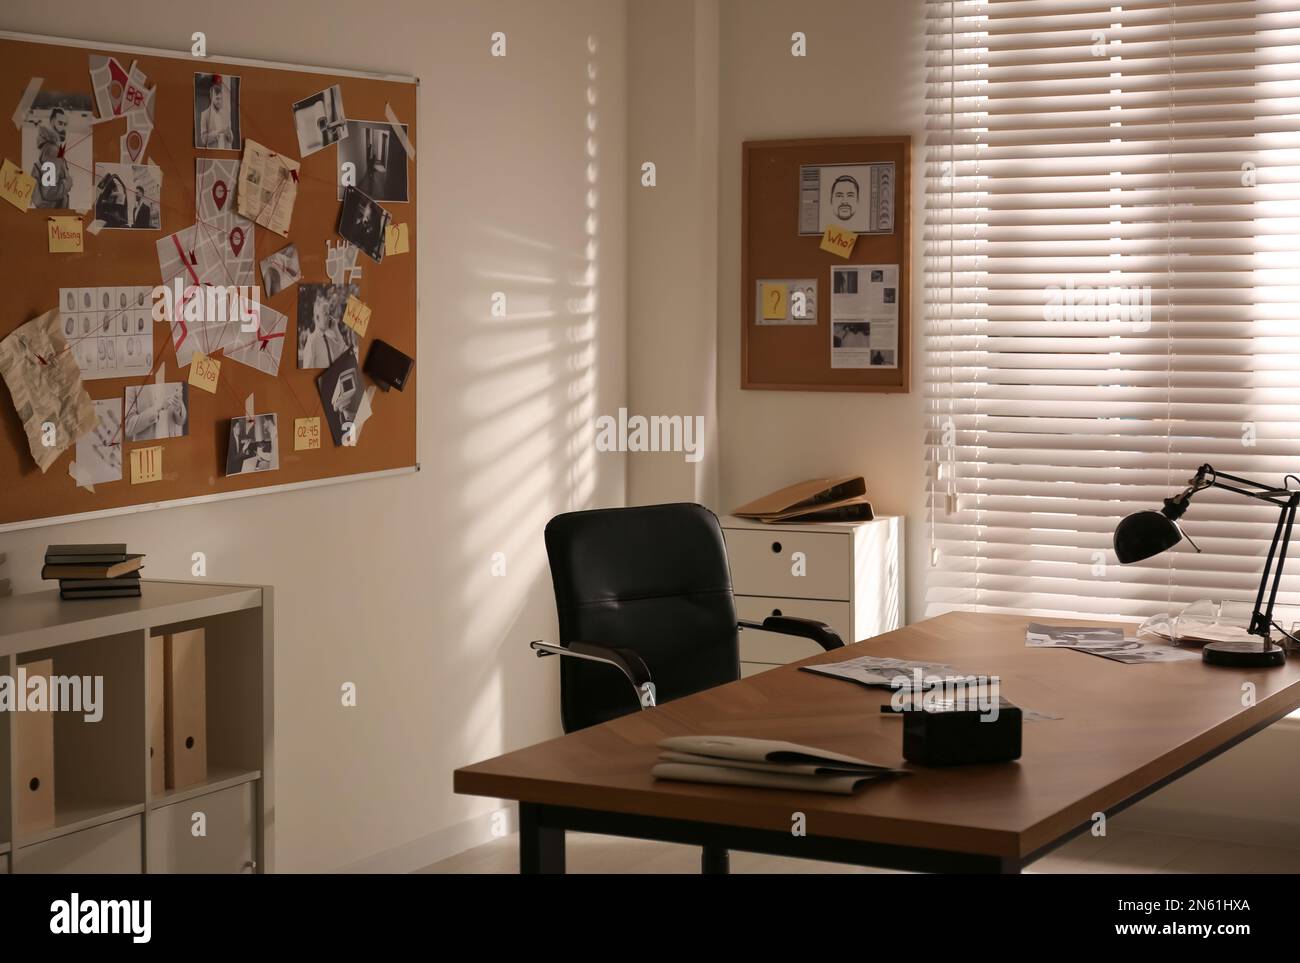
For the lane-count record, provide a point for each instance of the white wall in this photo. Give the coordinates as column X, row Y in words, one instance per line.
column 386, row 583
column 863, row 75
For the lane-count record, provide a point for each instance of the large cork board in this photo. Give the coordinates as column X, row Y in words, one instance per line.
column 798, row 357
column 31, row 278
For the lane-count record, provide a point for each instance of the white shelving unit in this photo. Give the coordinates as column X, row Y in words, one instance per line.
column 108, row 816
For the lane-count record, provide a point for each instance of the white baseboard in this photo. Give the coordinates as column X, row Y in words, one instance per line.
column 443, row 844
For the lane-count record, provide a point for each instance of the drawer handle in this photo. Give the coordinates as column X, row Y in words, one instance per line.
column 35, row 784
column 776, row 612
column 776, row 548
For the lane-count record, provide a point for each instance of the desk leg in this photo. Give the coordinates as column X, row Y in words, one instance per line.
column 541, row 848
column 715, row 861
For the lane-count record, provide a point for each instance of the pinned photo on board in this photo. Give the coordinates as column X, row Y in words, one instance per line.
column 254, row 445
column 280, row 270
column 322, row 336
column 364, row 223
column 320, row 121
column 129, row 196
column 378, row 160
column 157, row 411
column 216, row 112
column 340, row 394
column 58, row 150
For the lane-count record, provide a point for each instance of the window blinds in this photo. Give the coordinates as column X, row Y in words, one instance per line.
column 1112, row 250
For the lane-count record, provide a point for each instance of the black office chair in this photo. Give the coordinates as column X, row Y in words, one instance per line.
column 647, row 614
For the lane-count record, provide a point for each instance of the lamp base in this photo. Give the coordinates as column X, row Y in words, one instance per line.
column 1243, row 655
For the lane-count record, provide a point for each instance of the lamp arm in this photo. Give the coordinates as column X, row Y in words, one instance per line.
column 1261, row 623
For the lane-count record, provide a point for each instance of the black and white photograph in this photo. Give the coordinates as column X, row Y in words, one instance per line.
column 216, row 112
column 378, row 161
column 845, row 281
column 280, row 270
column 320, row 121
column 890, row 294
column 340, row 394
column 322, row 336
column 364, row 223
column 129, row 196
column 877, row 277
column 157, row 411
column 851, row 197
column 58, row 150
column 254, row 445
column 851, row 334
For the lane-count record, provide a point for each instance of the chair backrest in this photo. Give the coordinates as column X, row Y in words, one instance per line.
column 653, row 579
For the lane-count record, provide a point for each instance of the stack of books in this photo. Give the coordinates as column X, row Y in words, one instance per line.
column 93, row 571
column 763, row 763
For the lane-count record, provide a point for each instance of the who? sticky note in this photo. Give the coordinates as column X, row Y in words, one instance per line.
column 67, row 235
column 15, row 186
column 838, row 241
column 146, row 464
column 774, row 301
column 204, row 372
column 356, row 316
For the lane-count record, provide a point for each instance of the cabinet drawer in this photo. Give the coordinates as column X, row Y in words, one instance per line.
column 762, row 563
column 228, row 845
column 773, row 648
column 4, row 865
column 111, row 848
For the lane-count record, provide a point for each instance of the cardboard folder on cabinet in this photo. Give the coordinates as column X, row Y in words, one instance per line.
column 156, row 714
column 842, row 499
column 185, row 697
column 34, row 761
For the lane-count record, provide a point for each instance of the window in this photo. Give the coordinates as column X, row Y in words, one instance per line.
column 1112, row 250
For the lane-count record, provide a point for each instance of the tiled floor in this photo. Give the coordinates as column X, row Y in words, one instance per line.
column 1120, row 851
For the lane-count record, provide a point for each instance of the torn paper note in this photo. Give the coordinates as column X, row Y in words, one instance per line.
column 280, row 270
column 45, row 385
column 268, row 187
column 139, row 128
column 99, row 451
column 341, row 262
column 109, row 330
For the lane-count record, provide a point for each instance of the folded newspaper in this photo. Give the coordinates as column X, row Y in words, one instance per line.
column 763, row 763
column 1108, row 643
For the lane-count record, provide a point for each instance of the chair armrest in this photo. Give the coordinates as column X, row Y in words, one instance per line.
column 819, row 632
column 625, row 660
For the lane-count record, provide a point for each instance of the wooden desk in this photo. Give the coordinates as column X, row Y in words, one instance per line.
column 1127, row 731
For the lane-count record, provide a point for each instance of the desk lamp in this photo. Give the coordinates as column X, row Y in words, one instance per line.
column 1144, row 534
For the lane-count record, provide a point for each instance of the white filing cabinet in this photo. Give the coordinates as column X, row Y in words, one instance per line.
column 846, row 574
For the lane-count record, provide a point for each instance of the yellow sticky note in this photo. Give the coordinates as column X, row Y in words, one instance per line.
column 356, row 316
column 146, row 464
column 774, row 302
column 306, row 434
column 838, row 241
column 15, row 186
column 66, row 235
column 204, row 372
column 397, row 239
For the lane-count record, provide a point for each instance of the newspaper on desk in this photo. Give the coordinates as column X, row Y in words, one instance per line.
column 872, row 670
column 45, row 384
column 1107, row 643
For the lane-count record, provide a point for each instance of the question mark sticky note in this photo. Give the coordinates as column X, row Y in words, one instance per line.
column 774, row 302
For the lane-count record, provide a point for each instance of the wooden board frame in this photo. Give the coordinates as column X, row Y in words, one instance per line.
column 194, row 473
column 798, row 358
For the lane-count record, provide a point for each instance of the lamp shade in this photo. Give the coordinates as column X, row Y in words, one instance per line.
column 1143, row 534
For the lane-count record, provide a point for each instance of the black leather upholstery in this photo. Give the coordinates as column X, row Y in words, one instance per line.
column 654, row 580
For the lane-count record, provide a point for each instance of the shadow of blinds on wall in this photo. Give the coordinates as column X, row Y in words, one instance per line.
column 1112, row 251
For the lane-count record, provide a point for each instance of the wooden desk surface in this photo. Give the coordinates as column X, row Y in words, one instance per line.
column 1125, row 728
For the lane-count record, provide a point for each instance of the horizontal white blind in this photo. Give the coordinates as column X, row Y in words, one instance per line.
column 1112, row 249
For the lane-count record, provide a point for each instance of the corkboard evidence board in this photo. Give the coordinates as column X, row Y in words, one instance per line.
column 30, row 279
column 798, row 357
